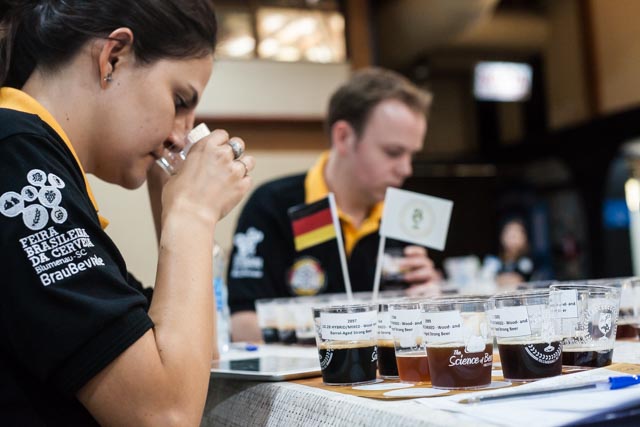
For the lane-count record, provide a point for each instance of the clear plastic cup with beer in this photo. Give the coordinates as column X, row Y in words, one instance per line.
column 267, row 314
column 527, row 330
column 628, row 324
column 346, row 340
column 387, row 366
column 588, row 318
column 409, row 342
column 459, row 342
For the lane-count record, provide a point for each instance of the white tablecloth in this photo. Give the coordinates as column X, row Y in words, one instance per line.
column 245, row 403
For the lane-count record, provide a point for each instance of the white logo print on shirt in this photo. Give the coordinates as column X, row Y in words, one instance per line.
column 42, row 188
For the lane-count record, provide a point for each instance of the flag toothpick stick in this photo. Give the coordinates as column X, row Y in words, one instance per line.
column 343, row 257
column 378, row 274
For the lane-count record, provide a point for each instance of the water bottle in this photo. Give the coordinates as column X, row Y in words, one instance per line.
column 223, row 322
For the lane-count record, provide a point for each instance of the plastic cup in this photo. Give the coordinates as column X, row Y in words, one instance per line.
column 286, row 321
column 589, row 317
column 387, row 366
column 266, row 311
column 303, row 319
column 346, row 339
column 629, row 304
column 459, row 342
column 408, row 339
column 527, row 331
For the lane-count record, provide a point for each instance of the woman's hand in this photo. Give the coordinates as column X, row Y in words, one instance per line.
column 210, row 182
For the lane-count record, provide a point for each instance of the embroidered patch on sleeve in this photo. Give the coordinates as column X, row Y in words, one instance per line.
column 55, row 255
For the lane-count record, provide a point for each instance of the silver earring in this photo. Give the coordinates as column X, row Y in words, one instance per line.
column 108, row 78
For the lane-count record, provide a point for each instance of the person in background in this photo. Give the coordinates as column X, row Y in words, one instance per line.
column 376, row 123
column 516, row 265
column 101, row 87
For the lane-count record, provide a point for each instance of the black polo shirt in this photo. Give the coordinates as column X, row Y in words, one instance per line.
column 265, row 264
column 66, row 309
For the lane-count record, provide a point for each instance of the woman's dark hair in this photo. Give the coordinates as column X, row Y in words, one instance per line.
column 355, row 100
column 48, row 33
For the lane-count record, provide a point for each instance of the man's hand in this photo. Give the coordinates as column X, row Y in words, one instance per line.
column 419, row 272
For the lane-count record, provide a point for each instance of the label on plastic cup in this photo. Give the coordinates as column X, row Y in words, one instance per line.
column 384, row 326
column 442, row 326
column 567, row 305
column 508, row 322
column 348, row 326
column 406, row 326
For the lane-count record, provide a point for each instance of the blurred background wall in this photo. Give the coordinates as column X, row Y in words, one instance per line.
column 549, row 157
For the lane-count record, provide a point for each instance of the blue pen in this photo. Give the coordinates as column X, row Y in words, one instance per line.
column 244, row 346
column 613, row 383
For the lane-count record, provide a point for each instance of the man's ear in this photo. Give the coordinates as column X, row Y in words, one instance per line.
column 343, row 136
column 117, row 46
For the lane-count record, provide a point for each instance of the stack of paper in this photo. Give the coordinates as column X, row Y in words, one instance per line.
column 554, row 409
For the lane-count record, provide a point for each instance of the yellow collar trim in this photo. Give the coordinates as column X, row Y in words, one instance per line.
column 316, row 188
column 14, row 99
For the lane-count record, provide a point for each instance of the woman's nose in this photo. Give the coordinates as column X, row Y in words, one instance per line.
column 177, row 139
column 174, row 142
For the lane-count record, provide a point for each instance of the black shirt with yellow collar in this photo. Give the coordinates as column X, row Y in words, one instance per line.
column 264, row 262
column 67, row 307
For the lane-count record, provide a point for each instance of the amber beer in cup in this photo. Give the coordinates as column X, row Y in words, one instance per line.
column 387, row 366
column 589, row 317
column 526, row 327
column 346, row 340
column 408, row 339
column 459, row 342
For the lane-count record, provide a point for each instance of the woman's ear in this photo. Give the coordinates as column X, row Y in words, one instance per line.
column 117, row 46
column 343, row 136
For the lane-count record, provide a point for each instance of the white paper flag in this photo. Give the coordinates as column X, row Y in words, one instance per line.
column 416, row 218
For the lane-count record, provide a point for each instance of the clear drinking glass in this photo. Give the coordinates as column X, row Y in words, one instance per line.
column 171, row 161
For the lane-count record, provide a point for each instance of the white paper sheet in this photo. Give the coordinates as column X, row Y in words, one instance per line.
column 547, row 410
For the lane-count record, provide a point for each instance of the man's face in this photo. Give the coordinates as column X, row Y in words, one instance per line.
column 382, row 155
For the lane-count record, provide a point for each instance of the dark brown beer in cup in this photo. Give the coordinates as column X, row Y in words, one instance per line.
column 287, row 335
column 387, row 366
column 305, row 340
column 530, row 361
column 270, row 335
column 348, row 363
column 589, row 359
column 451, row 367
column 626, row 331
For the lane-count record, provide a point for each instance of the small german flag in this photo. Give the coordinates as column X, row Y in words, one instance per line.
column 312, row 224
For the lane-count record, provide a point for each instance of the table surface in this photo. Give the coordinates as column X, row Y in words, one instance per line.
column 249, row 403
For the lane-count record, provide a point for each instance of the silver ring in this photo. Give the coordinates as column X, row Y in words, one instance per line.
column 237, row 149
column 246, row 169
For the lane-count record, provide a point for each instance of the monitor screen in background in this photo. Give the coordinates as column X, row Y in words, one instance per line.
column 502, row 81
